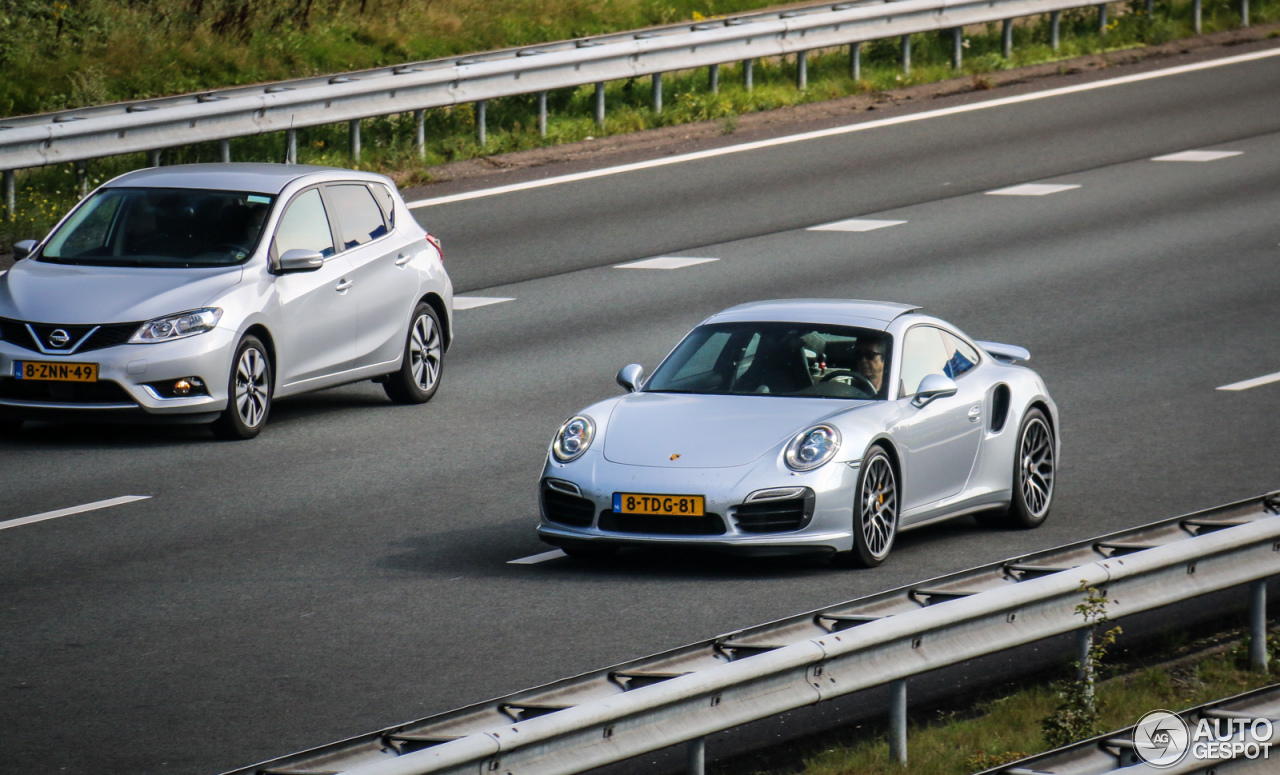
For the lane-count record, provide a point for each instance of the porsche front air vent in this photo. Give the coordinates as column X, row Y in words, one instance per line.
column 774, row 516
column 655, row 524
column 565, row 508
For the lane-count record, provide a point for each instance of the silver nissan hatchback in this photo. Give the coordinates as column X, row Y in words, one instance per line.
column 199, row 293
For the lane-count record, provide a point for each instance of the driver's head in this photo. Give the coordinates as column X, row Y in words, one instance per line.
column 869, row 357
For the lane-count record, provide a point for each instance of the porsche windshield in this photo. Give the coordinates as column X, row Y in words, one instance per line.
column 778, row 359
column 160, row 227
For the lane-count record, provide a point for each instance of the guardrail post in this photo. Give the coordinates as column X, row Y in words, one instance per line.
column 1084, row 644
column 1244, row 13
column 957, row 47
column 1055, row 24
column 713, row 79
column 155, row 158
column 855, row 61
column 224, row 150
column 898, row 721
column 1151, row 8
column 1258, row 625
column 599, row 105
column 697, row 756
column 420, row 132
column 657, row 92
column 291, row 146
column 10, row 194
column 1006, row 39
column 542, row 113
column 1195, row 15
column 481, row 134
column 354, row 126
column 748, row 68
column 82, row 179
column 1102, row 19
column 906, row 55
column 802, row 70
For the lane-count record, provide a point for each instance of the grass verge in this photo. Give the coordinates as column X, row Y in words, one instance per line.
column 1006, row 725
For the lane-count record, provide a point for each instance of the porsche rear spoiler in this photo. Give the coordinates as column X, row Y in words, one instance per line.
column 1005, row 353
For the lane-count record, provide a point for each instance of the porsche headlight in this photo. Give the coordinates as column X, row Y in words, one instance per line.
column 178, row 326
column 573, row 438
column 813, row 447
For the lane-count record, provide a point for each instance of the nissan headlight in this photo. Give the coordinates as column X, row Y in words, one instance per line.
column 812, row 448
column 573, row 438
column 178, row 326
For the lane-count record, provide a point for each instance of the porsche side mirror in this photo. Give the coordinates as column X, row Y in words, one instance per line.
column 300, row 260
column 23, row 248
column 932, row 387
column 629, row 377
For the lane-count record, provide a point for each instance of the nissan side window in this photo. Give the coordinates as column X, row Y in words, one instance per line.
column 305, row 226
column 923, row 353
column 386, row 201
column 359, row 216
column 962, row 357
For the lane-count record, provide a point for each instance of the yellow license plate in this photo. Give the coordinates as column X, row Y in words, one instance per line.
column 56, row 372
column 663, row 505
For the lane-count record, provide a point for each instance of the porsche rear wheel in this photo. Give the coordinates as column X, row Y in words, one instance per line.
column 1034, row 470
column 875, row 512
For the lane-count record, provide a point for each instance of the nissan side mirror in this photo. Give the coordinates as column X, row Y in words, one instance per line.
column 932, row 387
column 23, row 249
column 629, row 377
column 300, row 260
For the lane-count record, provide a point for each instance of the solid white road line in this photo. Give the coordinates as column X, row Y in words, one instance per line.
column 1032, row 189
column 471, row 302
column 855, row 224
column 1198, row 156
column 665, row 262
column 73, row 510
column 1252, row 383
column 537, row 558
column 600, row 173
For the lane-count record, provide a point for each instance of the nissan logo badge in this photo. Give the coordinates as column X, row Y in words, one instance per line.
column 59, row 338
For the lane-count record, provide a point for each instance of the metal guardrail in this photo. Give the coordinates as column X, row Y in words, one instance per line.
column 685, row 694
column 148, row 125
column 1114, row 751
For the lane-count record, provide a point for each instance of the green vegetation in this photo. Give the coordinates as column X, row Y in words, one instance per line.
column 1009, row 727
column 69, row 53
column 1079, row 712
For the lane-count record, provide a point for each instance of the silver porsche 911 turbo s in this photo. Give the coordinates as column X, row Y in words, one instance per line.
column 811, row 425
column 198, row 293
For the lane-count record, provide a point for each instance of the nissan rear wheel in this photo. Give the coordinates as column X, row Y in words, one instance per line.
column 875, row 512
column 1034, row 470
column 249, row 393
column 419, row 376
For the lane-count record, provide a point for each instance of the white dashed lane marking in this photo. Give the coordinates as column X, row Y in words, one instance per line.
column 1033, row 189
column 1198, row 156
column 665, row 262
column 73, row 510
column 1252, row 383
column 537, row 558
column 855, row 224
column 471, row 302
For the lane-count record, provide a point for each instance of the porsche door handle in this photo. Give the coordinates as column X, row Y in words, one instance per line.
column 975, row 414
column 343, row 285
column 403, row 259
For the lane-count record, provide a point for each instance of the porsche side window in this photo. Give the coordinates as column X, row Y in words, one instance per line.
column 923, row 353
column 962, row 358
column 305, row 226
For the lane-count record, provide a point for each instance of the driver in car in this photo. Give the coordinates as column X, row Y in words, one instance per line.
column 868, row 359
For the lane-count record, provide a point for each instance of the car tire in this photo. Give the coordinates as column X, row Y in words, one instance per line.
column 1034, row 470
column 420, row 371
column 875, row 512
column 248, row 393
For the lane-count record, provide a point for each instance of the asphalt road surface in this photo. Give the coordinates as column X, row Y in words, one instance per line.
column 352, row 567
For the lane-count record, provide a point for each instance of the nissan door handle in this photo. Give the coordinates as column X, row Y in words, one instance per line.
column 343, row 285
column 975, row 413
column 403, row 259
